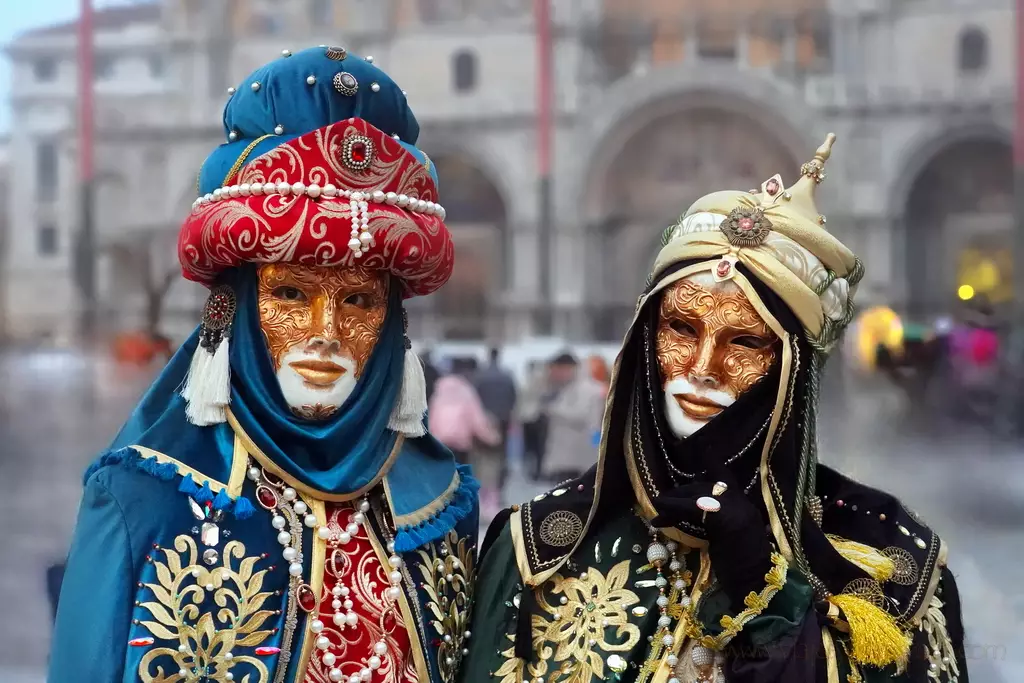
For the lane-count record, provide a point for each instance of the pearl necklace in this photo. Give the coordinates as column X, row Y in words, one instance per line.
column 273, row 495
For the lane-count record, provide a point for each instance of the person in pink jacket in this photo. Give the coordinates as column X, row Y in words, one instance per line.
column 457, row 419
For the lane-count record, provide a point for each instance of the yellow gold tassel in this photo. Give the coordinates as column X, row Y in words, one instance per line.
column 874, row 635
column 878, row 566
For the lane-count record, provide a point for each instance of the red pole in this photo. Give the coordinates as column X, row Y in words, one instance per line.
column 542, row 17
column 85, row 92
column 85, row 247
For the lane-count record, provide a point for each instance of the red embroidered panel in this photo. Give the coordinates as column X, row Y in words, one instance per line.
column 354, row 565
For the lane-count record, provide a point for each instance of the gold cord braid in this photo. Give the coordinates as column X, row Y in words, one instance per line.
column 245, row 154
column 755, row 603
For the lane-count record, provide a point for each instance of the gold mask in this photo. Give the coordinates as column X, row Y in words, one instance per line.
column 712, row 346
column 323, row 319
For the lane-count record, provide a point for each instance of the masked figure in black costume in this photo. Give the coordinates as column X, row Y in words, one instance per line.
column 707, row 544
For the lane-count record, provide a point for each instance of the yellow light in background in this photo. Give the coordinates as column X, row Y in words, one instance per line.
column 965, row 292
column 877, row 326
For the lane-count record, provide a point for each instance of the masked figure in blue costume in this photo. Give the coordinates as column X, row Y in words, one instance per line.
column 274, row 510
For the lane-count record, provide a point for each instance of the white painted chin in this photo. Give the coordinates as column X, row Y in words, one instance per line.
column 682, row 423
column 312, row 400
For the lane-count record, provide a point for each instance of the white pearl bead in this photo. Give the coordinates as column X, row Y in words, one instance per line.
column 289, row 493
column 233, row 191
column 316, row 626
column 403, row 200
column 364, row 674
column 352, row 618
column 285, row 189
column 330, row 190
column 348, row 604
column 278, row 522
column 391, row 546
column 233, row 135
column 229, row 656
column 182, row 648
column 345, row 590
column 195, row 572
column 345, row 537
column 286, row 53
column 359, row 518
column 369, row 58
column 396, row 576
column 256, row 188
column 673, row 680
column 354, row 243
column 467, row 634
column 323, row 533
column 270, row 188
column 311, row 80
column 245, row 189
column 336, row 591
column 329, row 659
column 323, row 643
column 395, row 561
column 380, row 647
column 394, row 592
column 662, row 601
column 664, row 621
column 289, row 553
column 313, row 190
column 299, row 507
column 364, row 506
column 672, row 660
column 209, row 586
column 231, row 90
column 336, row 675
column 182, row 673
column 336, row 604
column 255, row 86
column 339, row 619
column 279, row 129
column 378, row 196
column 254, row 473
column 668, row 639
column 298, row 188
column 391, row 198
column 374, row 662
column 295, row 569
column 354, row 678
column 310, row 520
column 216, row 193
column 365, row 237
column 284, row 538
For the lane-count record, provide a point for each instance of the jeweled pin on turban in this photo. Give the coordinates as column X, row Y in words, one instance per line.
column 320, row 168
column 779, row 235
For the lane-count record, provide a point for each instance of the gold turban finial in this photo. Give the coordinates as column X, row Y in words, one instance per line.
column 813, row 172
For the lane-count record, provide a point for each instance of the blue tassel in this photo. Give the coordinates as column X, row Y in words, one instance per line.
column 222, row 501
column 188, row 486
column 243, row 508
column 148, row 465
column 122, row 456
column 463, row 503
column 166, row 471
column 204, row 495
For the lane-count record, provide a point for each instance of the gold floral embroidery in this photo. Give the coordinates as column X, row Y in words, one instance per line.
column 447, row 581
column 580, row 628
column 183, row 585
column 941, row 655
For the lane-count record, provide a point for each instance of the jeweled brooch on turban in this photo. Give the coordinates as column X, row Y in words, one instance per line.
column 746, row 227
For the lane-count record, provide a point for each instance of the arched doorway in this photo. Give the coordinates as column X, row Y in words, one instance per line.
column 959, row 223
column 654, row 178
column 466, row 308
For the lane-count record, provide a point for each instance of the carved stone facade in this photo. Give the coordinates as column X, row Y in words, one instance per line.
column 654, row 106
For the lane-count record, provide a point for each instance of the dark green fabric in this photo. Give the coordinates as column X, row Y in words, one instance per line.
column 782, row 617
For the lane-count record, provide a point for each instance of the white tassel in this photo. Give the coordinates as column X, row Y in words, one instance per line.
column 407, row 417
column 207, row 389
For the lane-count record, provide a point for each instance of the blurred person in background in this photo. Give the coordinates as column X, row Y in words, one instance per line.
column 497, row 392
column 599, row 369
column 430, row 372
column 460, row 421
column 574, row 407
column 708, row 545
column 251, row 519
column 531, row 412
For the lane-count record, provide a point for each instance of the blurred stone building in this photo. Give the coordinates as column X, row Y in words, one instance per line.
column 656, row 102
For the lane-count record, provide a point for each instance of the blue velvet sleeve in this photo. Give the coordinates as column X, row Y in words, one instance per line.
column 95, row 607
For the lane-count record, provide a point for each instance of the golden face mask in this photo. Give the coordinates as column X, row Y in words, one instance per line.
column 320, row 325
column 712, row 346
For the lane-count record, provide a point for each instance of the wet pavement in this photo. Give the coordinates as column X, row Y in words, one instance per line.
column 58, row 409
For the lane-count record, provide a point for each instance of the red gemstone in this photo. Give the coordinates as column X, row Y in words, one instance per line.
column 264, row 651
column 266, row 497
column 307, row 599
column 746, row 224
column 723, row 268
column 140, row 642
column 772, row 186
column 358, row 151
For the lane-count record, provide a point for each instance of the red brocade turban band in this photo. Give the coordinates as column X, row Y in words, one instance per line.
column 320, row 168
column 342, row 193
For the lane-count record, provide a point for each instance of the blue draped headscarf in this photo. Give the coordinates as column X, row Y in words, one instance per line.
column 331, row 458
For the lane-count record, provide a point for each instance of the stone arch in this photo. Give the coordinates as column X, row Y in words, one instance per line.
column 653, row 166
column 477, row 216
column 954, row 200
